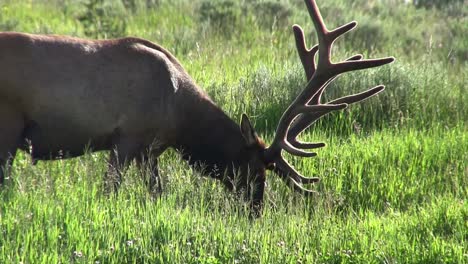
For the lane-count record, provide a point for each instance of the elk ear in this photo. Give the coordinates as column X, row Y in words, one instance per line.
column 248, row 131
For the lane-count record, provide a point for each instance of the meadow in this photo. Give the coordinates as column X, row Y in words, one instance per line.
column 394, row 174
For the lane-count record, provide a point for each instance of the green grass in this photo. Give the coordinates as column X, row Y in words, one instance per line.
column 394, row 175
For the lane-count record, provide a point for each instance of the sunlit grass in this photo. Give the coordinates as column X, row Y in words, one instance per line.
column 404, row 201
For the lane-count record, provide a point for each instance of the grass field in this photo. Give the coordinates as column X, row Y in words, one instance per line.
column 394, row 173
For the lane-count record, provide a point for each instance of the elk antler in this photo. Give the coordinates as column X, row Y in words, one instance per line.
column 306, row 108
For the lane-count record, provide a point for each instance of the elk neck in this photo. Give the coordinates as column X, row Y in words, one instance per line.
column 207, row 136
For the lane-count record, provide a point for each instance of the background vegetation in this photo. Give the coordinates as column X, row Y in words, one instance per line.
column 394, row 175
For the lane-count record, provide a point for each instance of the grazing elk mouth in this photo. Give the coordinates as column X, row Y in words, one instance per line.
column 258, row 190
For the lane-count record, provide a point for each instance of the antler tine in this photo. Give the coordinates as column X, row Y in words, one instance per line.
column 347, row 66
column 305, row 120
column 279, row 141
column 304, row 145
column 316, row 98
column 325, row 37
column 285, row 170
column 296, row 151
column 354, row 98
column 307, row 56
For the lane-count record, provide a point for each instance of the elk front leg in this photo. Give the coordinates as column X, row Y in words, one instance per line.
column 11, row 128
column 5, row 164
column 150, row 173
column 149, row 161
column 120, row 157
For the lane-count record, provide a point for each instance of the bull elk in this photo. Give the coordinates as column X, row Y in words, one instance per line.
column 61, row 95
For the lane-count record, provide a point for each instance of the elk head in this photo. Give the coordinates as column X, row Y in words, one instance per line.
column 307, row 107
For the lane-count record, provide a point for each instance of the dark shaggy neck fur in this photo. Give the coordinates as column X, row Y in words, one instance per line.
column 208, row 137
